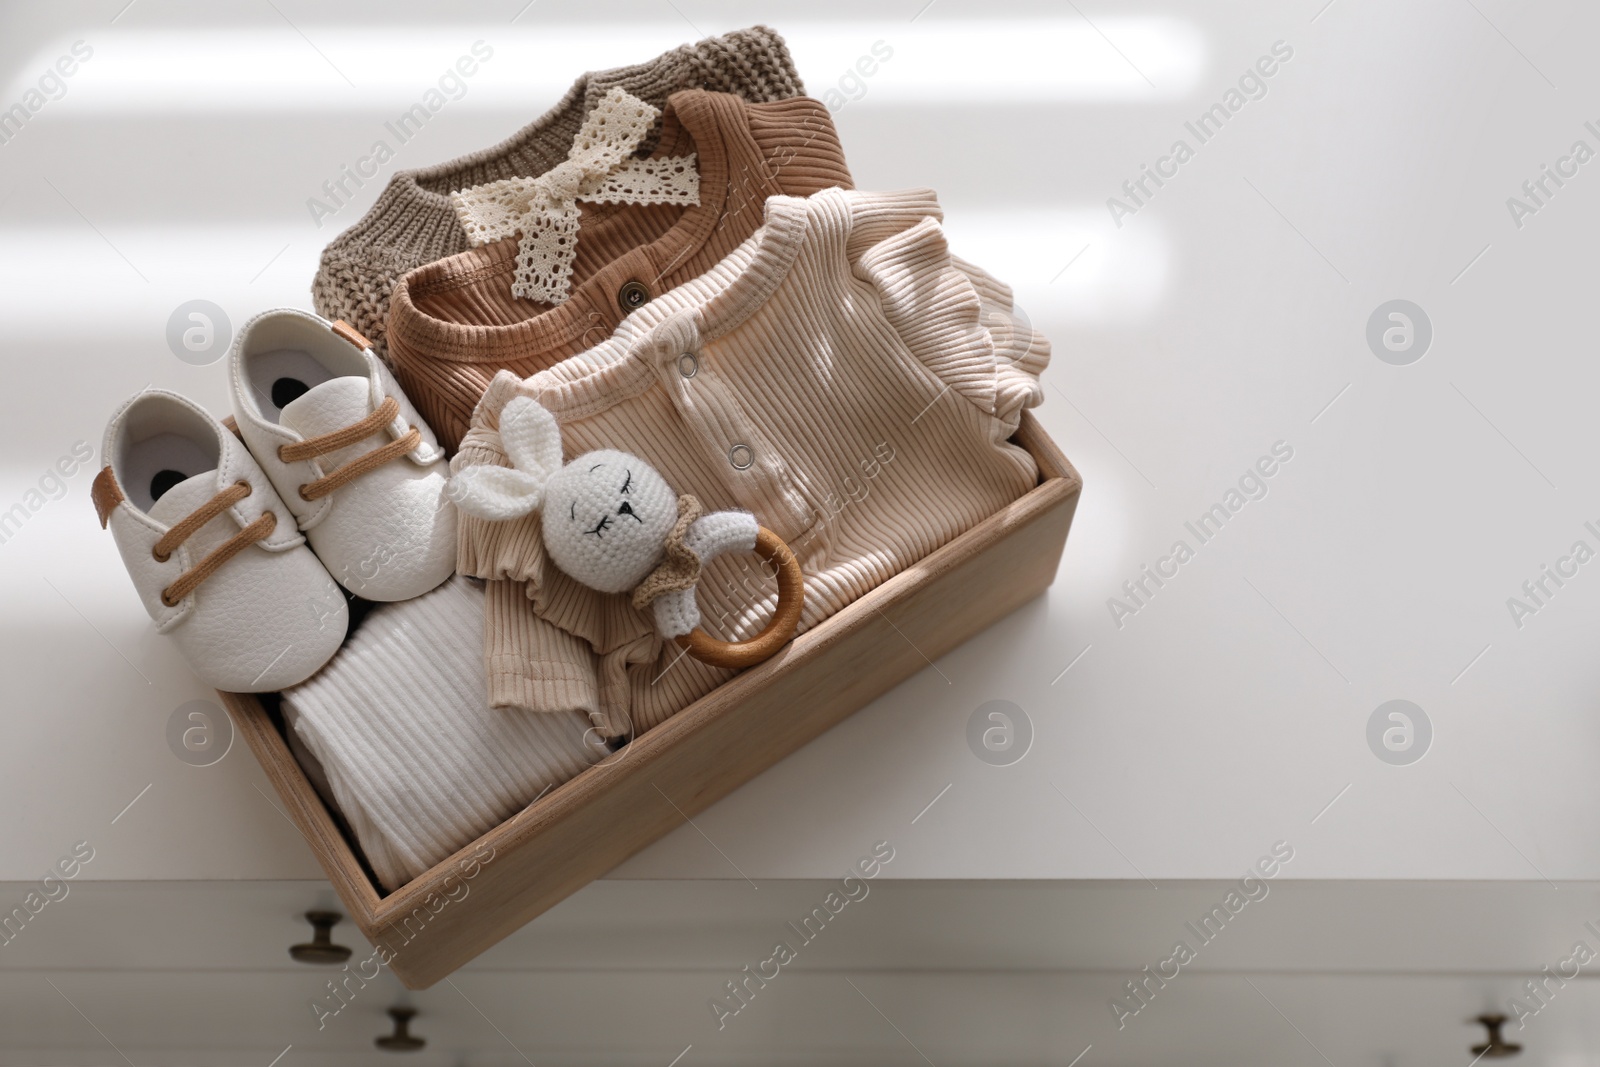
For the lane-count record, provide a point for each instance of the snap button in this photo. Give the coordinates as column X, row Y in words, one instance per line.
column 741, row 456
column 632, row 296
column 688, row 365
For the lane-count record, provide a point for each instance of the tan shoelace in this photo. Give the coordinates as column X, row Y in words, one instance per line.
column 313, row 447
column 190, row 579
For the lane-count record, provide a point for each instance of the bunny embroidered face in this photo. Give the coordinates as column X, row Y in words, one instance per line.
column 606, row 516
column 611, row 521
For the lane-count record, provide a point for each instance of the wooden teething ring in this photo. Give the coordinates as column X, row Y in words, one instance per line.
column 737, row 655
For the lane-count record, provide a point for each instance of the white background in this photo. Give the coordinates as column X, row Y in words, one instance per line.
column 1221, row 318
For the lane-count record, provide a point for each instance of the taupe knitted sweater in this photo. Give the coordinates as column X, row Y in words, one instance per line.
column 413, row 222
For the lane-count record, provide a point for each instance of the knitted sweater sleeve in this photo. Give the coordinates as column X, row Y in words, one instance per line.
column 357, row 289
column 955, row 318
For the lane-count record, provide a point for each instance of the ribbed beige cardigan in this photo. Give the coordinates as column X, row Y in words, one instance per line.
column 413, row 222
column 840, row 374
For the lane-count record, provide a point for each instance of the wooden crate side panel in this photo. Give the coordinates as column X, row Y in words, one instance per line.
column 305, row 808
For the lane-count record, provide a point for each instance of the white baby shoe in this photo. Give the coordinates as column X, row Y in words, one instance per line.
column 212, row 550
column 350, row 456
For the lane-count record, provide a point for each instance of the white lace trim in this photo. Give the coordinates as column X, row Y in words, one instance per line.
column 670, row 180
column 598, row 169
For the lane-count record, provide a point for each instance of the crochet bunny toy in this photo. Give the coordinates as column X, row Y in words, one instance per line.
column 609, row 519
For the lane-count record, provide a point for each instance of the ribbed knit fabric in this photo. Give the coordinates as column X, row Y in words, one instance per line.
column 840, row 375
column 413, row 222
column 417, row 761
column 455, row 323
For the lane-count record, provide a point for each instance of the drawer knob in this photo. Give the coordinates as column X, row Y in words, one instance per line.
column 320, row 949
column 401, row 1040
column 1496, row 1047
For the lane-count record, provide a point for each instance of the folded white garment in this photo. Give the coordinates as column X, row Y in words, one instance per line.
column 417, row 761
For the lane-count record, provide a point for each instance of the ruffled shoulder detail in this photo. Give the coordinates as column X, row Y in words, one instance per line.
column 959, row 322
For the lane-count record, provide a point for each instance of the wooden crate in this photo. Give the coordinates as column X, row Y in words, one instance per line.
column 585, row 827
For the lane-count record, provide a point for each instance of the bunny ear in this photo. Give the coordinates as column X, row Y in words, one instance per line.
column 496, row 493
column 531, row 437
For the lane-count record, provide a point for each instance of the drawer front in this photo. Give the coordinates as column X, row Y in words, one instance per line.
column 970, row 973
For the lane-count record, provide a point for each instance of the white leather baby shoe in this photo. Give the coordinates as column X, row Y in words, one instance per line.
column 212, row 550
column 350, row 456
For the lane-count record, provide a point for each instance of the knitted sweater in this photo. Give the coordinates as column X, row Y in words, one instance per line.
column 841, row 375
column 413, row 222
column 455, row 323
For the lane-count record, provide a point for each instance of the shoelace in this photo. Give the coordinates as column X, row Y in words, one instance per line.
column 313, row 447
column 190, row 579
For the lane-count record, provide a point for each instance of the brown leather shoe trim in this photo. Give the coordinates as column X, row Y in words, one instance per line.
column 107, row 495
column 350, row 333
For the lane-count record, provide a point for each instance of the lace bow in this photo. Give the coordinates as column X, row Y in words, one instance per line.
column 544, row 210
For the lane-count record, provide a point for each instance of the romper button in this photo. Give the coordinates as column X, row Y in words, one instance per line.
column 632, row 296
column 741, row 456
column 688, row 365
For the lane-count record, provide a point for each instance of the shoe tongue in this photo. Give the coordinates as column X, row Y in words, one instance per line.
column 330, row 406
column 182, row 500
